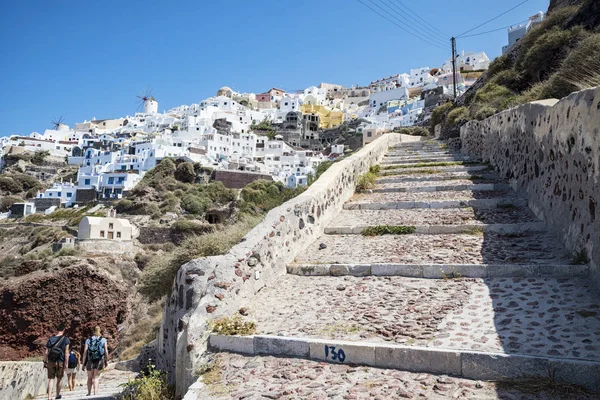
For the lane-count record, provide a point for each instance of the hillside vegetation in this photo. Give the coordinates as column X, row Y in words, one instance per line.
column 559, row 56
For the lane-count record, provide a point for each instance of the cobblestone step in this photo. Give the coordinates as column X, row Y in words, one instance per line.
column 505, row 229
column 442, row 271
column 266, row 377
column 438, row 204
column 414, row 160
column 544, row 317
column 461, row 365
column 476, row 248
column 458, row 216
column 429, row 164
column 427, row 196
column 454, row 187
column 396, row 153
column 440, row 177
column 428, row 170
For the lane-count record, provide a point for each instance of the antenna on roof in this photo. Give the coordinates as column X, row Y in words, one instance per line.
column 57, row 122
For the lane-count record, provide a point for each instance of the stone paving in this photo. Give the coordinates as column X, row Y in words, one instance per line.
column 546, row 317
column 455, row 216
column 254, row 378
column 110, row 381
column 478, row 248
column 535, row 316
column 465, row 195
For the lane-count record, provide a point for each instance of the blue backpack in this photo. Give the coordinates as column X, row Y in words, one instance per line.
column 95, row 349
column 72, row 360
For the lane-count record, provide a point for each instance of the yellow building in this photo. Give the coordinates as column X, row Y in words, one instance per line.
column 327, row 118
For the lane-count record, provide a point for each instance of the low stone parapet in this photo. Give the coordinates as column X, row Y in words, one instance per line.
column 460, row 363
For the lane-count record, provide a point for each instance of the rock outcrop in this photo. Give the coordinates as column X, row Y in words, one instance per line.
column 82, row 296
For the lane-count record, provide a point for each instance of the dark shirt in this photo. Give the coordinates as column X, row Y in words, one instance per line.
column 61, row 346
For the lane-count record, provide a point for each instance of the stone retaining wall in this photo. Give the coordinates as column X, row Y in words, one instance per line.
column 18, row 379
column 212, row 287
column 551, row 151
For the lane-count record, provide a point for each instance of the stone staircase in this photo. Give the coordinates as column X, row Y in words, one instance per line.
column 479, row 291
column 110, row 381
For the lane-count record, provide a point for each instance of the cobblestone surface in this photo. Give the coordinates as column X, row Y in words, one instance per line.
column 373, row 308
column 254, row 378
column 426, row 196
column 415, row 184
column 544, row 317
column 110, row 381
column 456, row 216
column 533, row 248
column 438, row 176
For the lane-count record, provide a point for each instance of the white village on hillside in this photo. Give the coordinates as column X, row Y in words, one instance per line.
column 227, row 132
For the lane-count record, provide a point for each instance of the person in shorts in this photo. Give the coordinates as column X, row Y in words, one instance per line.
column 55, row 354
column 73, row 363
column 95, row 358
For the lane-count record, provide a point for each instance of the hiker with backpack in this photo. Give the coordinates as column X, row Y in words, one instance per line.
column 55, row 354
column 72, row 368
column 95, row 358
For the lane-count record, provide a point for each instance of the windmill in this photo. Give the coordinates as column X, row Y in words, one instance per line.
column 57, row 123
column 147, row 102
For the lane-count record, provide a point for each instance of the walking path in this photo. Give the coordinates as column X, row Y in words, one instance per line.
column 524, row 295
column 110, row 381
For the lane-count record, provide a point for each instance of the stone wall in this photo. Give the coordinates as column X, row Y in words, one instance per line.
column 18, row 379
column 238, row 179
column 106, row 246
column 44, row 204
column 212, row 287
column 551, row 151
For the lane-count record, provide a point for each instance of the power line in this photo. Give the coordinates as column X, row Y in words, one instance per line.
column 493, row 19
column 434, row 35
column 399, row 26
column 422, row 20
column 494, row 30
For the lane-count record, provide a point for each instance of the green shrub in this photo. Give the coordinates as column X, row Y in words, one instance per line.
column 152, row 385
column 388, row 230
column 157, row 277
column 9, row 185
column 438, row 114
column 457, row 116
column 365, row 182
column 7, row 202
column 508, row 78
column 195, row 204
column 548, row 51
column 493, row 96
column 232, row 326
column 413, row 131
column 185, row 172
column 580, row 70
column 39, row 157
column 265, row 195
column 374, row 169
column 186, row 226
column 500, row 64
column 484, row 112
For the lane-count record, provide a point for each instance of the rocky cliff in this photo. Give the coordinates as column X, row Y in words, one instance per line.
column 82, row 295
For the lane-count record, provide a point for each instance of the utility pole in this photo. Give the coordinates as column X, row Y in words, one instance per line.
column 453, row 40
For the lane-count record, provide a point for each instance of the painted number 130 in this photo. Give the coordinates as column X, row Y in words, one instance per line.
column 336, row 355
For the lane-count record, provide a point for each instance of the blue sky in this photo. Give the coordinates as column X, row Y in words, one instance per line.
column 83, row 59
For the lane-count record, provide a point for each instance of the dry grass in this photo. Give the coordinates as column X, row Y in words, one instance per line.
column 142, row 332
column 232, row 326
column 338, row 329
